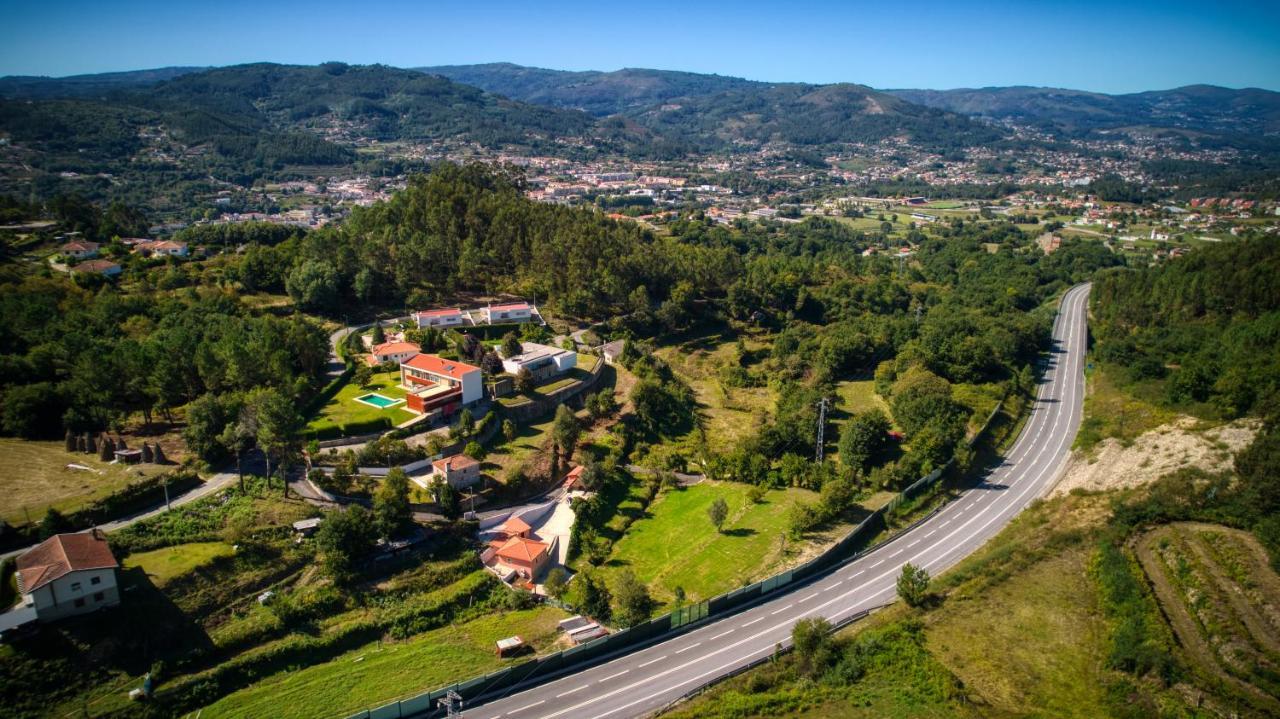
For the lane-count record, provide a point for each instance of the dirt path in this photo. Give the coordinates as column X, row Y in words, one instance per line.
column 1154, row 454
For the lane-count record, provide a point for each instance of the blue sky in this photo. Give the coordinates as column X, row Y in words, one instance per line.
column 1117, row 46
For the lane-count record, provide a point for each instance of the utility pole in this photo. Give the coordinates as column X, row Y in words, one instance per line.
column 822, row 422
column 452, row 703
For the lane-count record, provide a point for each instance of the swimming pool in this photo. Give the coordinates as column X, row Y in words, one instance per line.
column 378, row 400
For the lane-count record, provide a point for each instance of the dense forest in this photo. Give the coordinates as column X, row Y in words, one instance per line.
column 1207, row 323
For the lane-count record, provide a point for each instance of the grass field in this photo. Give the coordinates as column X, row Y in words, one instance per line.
column 344, row 409
column 1114, row 408
column 378, row 673
column 859, row 396
column 729, row 413
column 980, row 399
column 162, row 565
column 34, row 476
column 675, row 545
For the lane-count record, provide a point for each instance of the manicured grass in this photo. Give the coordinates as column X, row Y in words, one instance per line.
column 729, row 413
column 675, row 544
column 343, row 409
column 162, row 565
column 377, row 673
column 34, row 476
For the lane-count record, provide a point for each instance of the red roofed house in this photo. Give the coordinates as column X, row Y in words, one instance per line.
column 511, row 312
column 435, row 384
column 439, row 318
column 394, row 352
column 80, row 249
column 68, row 574
column 106, row 268
column 168, row 248
column 574, row 476
column 459, row 470
column 524, row 556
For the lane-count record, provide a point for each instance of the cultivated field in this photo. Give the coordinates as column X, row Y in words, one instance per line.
column 1223, row 599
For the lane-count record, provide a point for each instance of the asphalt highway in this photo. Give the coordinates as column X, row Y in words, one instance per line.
column 641, row 682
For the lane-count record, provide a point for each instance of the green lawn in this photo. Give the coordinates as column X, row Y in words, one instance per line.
column 343, row 409
column 34, row 476
column 859, row 396
column 378, row 673
column 675, row 545
column 162, row 565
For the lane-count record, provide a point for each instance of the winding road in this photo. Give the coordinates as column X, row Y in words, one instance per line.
column 643, row 681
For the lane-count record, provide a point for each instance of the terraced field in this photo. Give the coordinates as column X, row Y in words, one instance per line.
column 1223, row 599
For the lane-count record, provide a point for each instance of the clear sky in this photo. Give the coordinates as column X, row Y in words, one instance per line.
column 1108, row 46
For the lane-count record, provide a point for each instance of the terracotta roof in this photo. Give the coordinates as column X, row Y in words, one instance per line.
column 80, row 246
column 455, row 463
column 62, row 554
column 95, row 266
column 395, row 348
column 575, row 472
column 511, row 306
column 515, row 525
column 520, row 549
column 439, row 366
column 440, row 313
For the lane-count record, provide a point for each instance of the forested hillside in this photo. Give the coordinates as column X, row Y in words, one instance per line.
column 1207, row 325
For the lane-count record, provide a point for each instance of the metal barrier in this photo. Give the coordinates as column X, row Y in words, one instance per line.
column 679, row 620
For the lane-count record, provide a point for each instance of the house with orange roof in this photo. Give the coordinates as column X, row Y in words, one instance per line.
column 394, row 352
column 80, row 249
column 458, row 471
column 68, row 574
column 106, row 268
column 523, row 556
column 509, row 312
column 434, row 384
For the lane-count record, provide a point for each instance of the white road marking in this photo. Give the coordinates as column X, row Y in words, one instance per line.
column 571, row 691
column 624, row 671
column 655, row 661
column 780, row 610
column 691, row 646
column 721, row 634
column 528, row 706
column 753, row 621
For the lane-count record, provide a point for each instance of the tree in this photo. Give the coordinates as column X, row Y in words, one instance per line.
column 240, row 436
column 474, row 450
column 718, row 512
column 466, row 423
column 755, row 494
column 565, row 430
column 278, row 423
column 447, row 498
column 54, row 522
column 634, row 603
column 594, row 598
column 862, row 437
column 913, row 584
column 379, row 335
column 391, row 503
column 207, row 418
column 811, row 639
column 556, row 582
column 363, row 375
column 313, row 286
column 509, row 430
column 511, row 345
column 343, row 539
column 525, row 383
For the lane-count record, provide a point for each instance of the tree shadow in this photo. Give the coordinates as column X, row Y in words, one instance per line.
column 739, row 532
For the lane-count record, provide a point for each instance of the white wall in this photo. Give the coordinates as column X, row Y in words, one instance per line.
column 58, row 598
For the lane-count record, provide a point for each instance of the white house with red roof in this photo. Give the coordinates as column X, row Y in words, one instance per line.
column 505, row 313
column 458, row 471
column 68, row 574
column 435, row 384
column 394, row 352
column 80, row 249
column 161, row 248
column 447, row 317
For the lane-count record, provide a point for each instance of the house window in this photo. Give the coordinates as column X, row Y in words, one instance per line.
column 97, row 596
column 75, row 586
column 80, row 602
column 95, row 580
